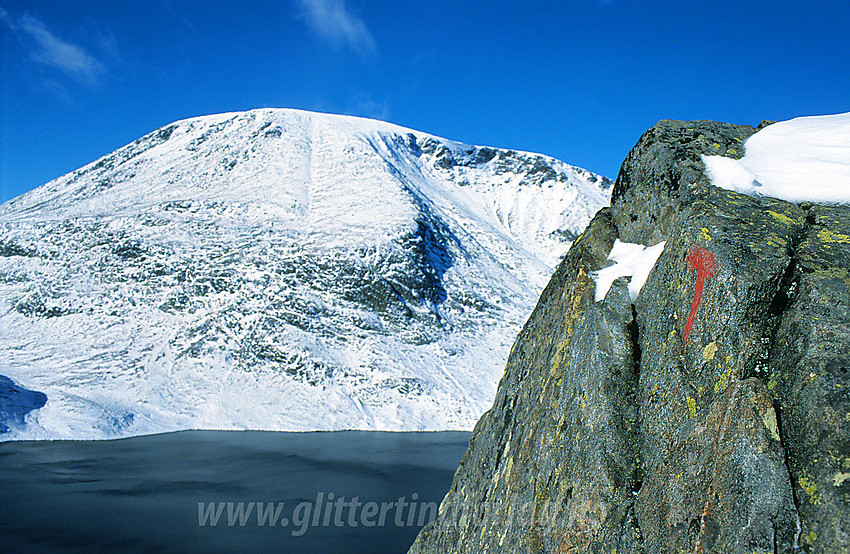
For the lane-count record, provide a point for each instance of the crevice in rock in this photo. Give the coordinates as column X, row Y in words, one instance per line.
column 634, row 334
column 637, row 533
column 810, row 218
column 638, row 472
column 787, row 287
column 638, row 483
column 785, row 291
column 783, row 298
column 787, row 461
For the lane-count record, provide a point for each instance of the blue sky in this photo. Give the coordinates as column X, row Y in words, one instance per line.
column 578, row 80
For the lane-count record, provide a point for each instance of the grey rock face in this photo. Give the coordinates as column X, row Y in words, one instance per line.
column 721, row 484
column 809, row 376
column 685, row 368
column 713, row 416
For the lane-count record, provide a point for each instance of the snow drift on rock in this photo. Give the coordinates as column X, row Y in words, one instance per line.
column 804, row 159
column 629, row 260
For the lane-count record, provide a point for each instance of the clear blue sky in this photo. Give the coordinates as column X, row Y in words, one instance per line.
column 579, row 80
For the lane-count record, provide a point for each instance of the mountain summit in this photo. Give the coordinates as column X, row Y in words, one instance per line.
column 278, row 269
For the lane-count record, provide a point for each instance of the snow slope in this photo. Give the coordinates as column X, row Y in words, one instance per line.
column 803, row 159
column 281, row 270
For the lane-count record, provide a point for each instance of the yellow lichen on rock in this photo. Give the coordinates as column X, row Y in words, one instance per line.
column 775, row 241
column 781, row 218
column 692, row 406
column 839, row 273
column 770, row 422
column 724, row 380
column 709, row 351
column 827, row 235
column 811, row 538
column 810, row 488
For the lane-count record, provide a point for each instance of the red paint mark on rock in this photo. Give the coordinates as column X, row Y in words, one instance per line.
column 704, row 262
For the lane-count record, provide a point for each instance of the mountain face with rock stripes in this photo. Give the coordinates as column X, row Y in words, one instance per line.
column 277, row 269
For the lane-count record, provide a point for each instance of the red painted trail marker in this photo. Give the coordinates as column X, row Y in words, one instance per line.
column 704, row 262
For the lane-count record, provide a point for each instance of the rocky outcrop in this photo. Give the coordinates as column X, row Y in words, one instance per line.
column 713, row 415
column 662, row 168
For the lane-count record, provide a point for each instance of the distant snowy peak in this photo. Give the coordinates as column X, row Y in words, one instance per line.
column 299, row 165
column 280, row 270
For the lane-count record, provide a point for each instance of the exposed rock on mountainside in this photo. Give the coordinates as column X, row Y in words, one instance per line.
column 713, row 415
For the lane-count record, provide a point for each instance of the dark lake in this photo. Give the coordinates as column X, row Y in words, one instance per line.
column 225, row 491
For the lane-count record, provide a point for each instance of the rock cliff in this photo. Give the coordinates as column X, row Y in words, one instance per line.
column 712, row 415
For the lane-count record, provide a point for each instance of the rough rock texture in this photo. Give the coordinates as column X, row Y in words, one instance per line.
column 722, row 484
column 664, row 163
column 711, row 416
column 809, row 375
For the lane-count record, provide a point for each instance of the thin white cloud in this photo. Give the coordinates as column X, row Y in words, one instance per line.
column 332, row 20
column 48, row 49
column 364, row 106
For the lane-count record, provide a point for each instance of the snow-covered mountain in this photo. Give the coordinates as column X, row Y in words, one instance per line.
column 278, row 269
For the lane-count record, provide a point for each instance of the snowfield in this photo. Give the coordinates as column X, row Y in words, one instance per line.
column 803, row 159
column 277, row 270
